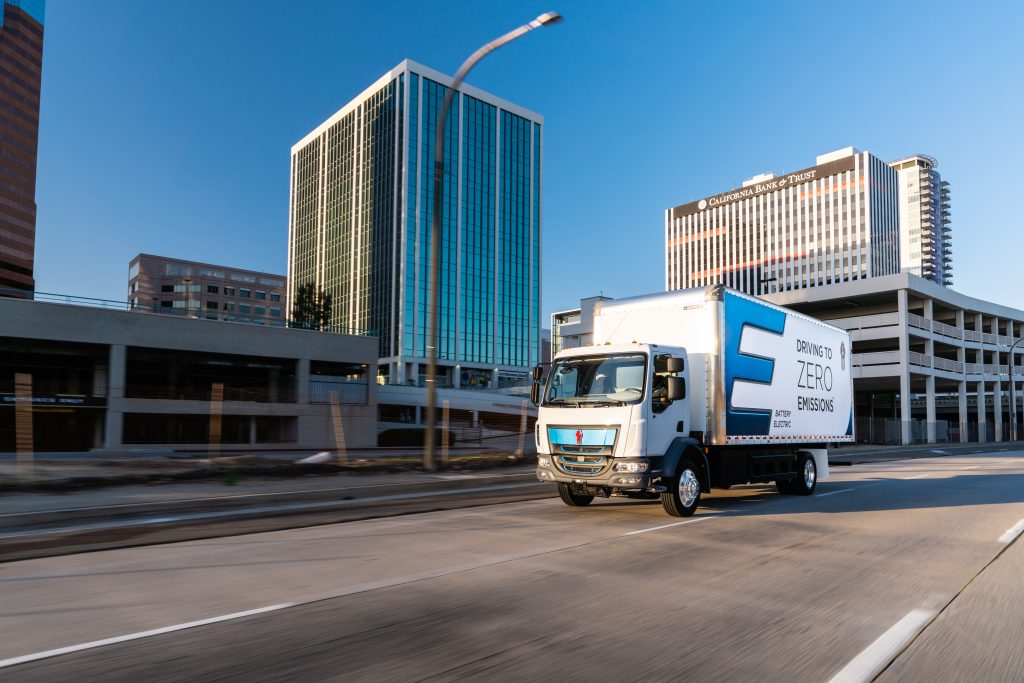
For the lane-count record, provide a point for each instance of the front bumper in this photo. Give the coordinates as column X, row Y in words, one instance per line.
column 608, row 479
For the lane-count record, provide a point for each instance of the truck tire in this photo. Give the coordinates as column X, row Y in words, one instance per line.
column 683, row 494
column 576, row 500
column 806, row 478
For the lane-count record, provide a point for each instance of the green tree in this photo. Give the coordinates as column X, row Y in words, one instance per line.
column 311, row 308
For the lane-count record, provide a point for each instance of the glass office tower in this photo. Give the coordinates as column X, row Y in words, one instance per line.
column 21, row 63
column 362, row 192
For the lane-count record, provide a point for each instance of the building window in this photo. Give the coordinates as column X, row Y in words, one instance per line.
column 166, row 304
column 244, row 293
column 261, row 296
column 229, row 291
column 228, row 306
column 166, row 288
column 244, row 308
column 212, row 305
column 275, row 312
column 260, row 310
column 275, row 297
column 211, row 289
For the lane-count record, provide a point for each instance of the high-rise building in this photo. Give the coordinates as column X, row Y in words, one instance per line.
column 21, row 57
column 202, row 290
column 926, row 245
column 833, row 222
column 362, row 190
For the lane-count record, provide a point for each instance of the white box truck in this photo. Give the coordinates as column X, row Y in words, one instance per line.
column 686, row 391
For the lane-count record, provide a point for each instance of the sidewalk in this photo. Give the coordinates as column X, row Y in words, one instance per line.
column 75, row 472
column 66, row 472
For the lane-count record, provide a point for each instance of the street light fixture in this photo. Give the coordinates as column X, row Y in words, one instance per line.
column 1013, row 397
column 546, row 19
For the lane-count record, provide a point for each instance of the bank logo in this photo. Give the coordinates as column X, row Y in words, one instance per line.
column 702, row 204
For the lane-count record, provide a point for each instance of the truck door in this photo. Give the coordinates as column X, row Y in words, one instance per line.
column 668, row 418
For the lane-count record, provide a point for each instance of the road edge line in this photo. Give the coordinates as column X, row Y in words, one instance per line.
column 874, row 659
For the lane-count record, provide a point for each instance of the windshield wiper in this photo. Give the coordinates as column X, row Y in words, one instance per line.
column 602, row 402
column 562, row 402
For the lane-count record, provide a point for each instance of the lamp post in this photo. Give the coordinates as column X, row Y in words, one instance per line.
column 764, row 281
column 1013, row 397
column 435, row 238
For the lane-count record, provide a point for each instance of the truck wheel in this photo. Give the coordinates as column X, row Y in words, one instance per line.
column 683, row 494
column 576, row 500
column 807, row 476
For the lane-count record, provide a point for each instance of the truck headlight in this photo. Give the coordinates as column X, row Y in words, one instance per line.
column 543, row 462
column 631, row 466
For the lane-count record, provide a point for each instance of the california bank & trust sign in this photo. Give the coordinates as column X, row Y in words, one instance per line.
column 780, row 183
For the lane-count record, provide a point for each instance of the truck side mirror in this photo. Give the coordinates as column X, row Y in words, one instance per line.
column 676, row 387
column 535, row 393
column 538, row 373
column 674, row 365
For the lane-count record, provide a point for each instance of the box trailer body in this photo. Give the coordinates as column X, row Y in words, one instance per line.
column 758, row 391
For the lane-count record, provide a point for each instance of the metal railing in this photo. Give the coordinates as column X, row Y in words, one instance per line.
column 918, row 321
column 948, row 365
column 862, row 322
column 195, row 313
column 947, row 330
column 875, row 358
column 915, row 358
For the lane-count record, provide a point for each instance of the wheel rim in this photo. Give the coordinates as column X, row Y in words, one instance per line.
column 809, row 473
column 689, row 488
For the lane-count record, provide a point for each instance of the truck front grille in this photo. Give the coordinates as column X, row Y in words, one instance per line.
column 580, row 450
column 586, row 465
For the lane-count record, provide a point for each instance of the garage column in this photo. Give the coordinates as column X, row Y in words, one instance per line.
column 997, row 386
column 982, row 403
column 113, row 432
column 961, row 357
column 302, row 381
column 902, row 306
column 962, row 406
column 929, row 384
column 929, row 350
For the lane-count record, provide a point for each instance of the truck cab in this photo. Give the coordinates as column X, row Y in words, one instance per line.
column 607, row 415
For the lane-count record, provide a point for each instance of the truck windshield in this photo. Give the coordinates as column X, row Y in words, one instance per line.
column 597, row 380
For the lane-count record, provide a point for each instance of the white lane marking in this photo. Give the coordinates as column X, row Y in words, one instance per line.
column 935, row 450
column 351, row 590
column 141, row 634
column 666, row 526
column 972, row 467
column 1012, row 533
column 877, row 655
column 920, row 476
column 832, row 493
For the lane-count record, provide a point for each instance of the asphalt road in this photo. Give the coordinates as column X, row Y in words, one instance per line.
column 905, row 570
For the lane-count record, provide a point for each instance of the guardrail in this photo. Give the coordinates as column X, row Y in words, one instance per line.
column 194, row 313
column 863, row 322
column 875, row 358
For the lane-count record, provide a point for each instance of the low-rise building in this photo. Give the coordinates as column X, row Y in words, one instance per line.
column 204, row 290
column 105, row 379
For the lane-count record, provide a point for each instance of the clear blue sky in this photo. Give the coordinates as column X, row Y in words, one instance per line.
column 166, row 126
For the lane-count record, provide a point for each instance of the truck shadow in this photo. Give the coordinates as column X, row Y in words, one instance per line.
column 864, row 495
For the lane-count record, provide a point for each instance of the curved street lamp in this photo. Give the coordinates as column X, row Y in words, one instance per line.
column 545, row 19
